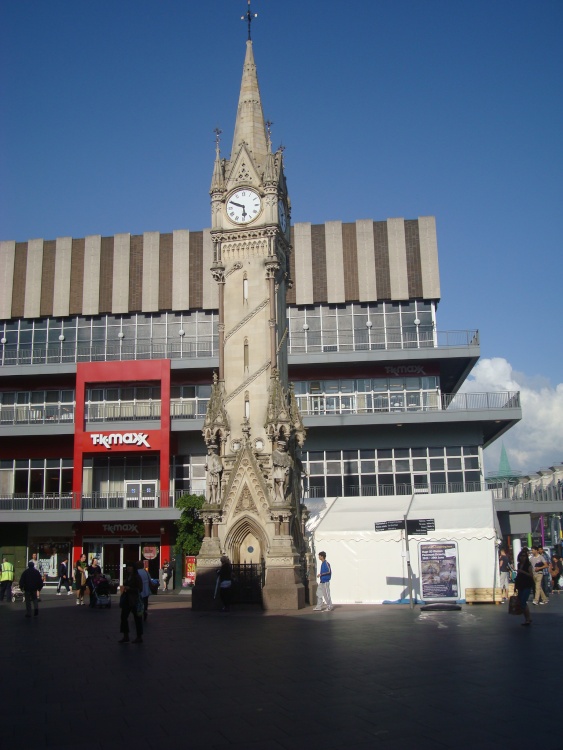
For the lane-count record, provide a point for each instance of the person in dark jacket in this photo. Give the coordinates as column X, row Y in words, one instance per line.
column 63, row 577
column 225, row 582
column 524, row 583
column 31, row 581
column 131, row 593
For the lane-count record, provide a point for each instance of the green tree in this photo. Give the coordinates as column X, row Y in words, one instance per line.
column 190, row 526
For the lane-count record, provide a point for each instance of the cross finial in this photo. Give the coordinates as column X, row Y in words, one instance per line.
column 249, row 16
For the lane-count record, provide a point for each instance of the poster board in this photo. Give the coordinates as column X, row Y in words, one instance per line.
column 439, row 571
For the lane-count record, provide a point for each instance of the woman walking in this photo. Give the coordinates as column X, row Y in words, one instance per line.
column 524, row 583
column 80, row 578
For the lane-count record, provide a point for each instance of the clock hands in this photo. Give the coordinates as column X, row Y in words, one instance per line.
column 240, row 205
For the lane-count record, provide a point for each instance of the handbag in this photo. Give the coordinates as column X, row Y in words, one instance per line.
column 140, row 606
column 514, row 606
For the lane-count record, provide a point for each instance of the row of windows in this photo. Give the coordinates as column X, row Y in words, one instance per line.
column 366, row 385
column 9, row 398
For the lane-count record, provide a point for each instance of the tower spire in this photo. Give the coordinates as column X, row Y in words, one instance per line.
column 249, row 127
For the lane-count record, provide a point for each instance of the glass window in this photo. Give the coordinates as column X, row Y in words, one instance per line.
column 470, row 450
column 471, row 463
column 334, row 486
column 384, row 465
column 436, row 451
column 454, row 463
column 316, row 469
column 402, row 465
column 368, row 467
column 453, row 450
column 436, row 464
column 334, row 455
column 418, row 452
column 333, row 467
column 419, row 464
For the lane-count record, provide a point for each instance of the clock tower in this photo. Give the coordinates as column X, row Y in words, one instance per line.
column 253, row 430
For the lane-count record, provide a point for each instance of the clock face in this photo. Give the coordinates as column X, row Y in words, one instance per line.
column 282, row 215
column 243, row 206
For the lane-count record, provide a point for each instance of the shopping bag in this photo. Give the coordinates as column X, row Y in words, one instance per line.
column 514, row 606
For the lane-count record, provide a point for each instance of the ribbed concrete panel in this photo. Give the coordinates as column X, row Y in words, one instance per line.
column 61, row 293
column 335, row 287
column 429, row 257
column 181, row 269
column 7, row 257
column 151, row 261
column 303, row 253
column 210, row 287
column 397, row 259
column 120, row 281
column 91, row 291
column 34, row 271
column 367, row 280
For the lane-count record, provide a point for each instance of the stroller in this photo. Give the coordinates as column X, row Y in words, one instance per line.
column 17, row 593
column 100, row 592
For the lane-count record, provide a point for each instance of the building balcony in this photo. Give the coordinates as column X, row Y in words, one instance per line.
column 404, row 402
column 299, row 343
column 35, row 414
column 85, row 507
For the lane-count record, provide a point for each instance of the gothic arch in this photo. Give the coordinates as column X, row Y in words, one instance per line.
column 238, row 532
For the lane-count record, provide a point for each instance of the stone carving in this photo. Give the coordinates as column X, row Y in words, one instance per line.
column 214, row 468
column 281, row 468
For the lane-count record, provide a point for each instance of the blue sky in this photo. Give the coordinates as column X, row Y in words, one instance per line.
column 403, row 108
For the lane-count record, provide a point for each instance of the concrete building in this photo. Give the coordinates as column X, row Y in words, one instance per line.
column 108, row 349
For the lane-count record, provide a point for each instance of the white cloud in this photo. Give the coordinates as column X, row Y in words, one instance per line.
column 537, row 440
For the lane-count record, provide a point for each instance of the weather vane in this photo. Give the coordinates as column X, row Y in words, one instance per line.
column 248, row 16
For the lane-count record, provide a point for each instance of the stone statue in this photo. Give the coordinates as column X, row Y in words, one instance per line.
column 214, row 468
column 281, row 468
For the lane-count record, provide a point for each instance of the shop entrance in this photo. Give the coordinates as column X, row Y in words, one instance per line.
column 114, row 554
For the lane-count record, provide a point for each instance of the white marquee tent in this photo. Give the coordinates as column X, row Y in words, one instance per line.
column 369, row 566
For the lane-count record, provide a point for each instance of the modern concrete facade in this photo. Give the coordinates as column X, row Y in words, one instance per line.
column 109, row 346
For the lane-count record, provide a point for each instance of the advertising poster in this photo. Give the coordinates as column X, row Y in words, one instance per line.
column 189, row 578
column 439, row 570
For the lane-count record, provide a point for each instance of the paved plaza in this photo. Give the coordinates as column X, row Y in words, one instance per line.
column 358, row 677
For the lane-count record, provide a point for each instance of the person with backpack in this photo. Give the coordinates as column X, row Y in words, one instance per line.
column 323, row 590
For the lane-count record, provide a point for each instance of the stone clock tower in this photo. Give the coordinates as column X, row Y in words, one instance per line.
column 253, row 430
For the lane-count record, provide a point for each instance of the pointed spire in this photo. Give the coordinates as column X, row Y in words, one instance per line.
column 218, row 179
column 249, row 126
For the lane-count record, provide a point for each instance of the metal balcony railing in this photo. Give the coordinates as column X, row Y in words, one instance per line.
column 308, row 341
column 37, row 502
column 36, row 414
column 194, row 348
column 407, row 401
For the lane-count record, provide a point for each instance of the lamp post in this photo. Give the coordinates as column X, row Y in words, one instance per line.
column 407, row 551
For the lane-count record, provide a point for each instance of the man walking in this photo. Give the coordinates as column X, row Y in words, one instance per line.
column 538, row 564
column 31, row 582
column 6, row 580
column 323, row 590
column 63, row 578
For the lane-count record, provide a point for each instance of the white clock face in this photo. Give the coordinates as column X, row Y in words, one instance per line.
column 243, row 206
column 282, row 215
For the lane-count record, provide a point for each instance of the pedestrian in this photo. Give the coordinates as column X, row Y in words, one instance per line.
column 37, row 565
column 504, row 570
column 63, row 577
column 555, row 572
column 80, row 573
column 131, row 603
column 6, row 580
column 323, row 590
column 94, row 575
column 524, row 583
column 225, row 583
column 165, row 575
column 31, row 581
column 546, row 580
column 146, row 592
column 538, row 564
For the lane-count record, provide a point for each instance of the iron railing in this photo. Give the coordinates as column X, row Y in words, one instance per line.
column 52, row 501
column 323, row 404
column 183, row 348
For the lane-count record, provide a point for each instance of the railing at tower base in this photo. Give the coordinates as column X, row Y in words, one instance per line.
column 248, row 582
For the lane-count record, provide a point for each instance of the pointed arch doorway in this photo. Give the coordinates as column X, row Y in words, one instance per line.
column 246, row 545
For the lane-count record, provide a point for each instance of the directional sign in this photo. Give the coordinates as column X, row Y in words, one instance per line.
column 420, row 526
column 389, row 525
